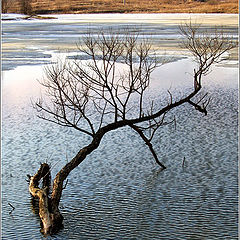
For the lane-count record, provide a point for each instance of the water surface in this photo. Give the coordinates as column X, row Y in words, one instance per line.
column 119, row 192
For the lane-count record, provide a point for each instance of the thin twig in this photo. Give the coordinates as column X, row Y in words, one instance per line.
column 183, row 163
column 13, row 208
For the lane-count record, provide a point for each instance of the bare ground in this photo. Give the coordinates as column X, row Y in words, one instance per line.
column 126, row 6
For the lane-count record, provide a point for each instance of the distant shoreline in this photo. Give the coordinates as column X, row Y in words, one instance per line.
column 41, row 7
column 51, row 12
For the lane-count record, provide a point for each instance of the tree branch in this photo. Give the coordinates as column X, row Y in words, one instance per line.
column 148, row 143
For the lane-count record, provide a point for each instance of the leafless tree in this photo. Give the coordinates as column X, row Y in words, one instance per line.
column 6, row 4
column 108, row 92
column 26, row 7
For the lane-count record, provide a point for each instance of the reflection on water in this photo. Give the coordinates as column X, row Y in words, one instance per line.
column 118, row 192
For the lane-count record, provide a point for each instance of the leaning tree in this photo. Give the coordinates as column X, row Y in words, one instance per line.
column 107, row 92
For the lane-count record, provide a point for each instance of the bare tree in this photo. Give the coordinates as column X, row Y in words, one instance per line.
column 108, row 92
column 6, row 5
column 26, row 7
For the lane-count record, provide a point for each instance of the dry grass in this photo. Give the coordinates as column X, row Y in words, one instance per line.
column 133, row 6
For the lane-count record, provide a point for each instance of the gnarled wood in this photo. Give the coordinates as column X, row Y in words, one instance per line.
column 48, row 217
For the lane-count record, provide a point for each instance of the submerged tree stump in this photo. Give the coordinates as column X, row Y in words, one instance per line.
column 51, row 218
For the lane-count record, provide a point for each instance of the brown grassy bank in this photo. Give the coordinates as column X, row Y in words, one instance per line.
column 119, row 6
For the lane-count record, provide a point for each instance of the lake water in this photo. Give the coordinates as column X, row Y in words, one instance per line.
column 119, row 192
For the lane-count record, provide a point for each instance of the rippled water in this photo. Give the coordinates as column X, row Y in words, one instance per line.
column 119, row 192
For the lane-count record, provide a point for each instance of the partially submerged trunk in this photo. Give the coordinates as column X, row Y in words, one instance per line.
column 51, row 218
column 49, row 213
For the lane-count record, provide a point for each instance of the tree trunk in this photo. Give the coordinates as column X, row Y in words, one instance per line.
column 51, row 218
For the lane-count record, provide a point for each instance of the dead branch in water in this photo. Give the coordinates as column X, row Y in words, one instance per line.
column 13, row 208
column 109, row 92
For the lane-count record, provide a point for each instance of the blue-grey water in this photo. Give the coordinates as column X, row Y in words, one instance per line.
column 119, row 192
